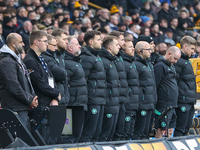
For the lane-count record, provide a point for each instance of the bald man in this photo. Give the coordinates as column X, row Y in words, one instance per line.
column 167, row 90
column 16, row 92
column 147, row 95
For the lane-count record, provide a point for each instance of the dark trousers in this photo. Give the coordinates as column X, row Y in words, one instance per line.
column 99, row 126
column 119, row 131
column 108, row 127
column 23, row 117
column 184, row 114
column 143, row 121
column 148, row 130
column 92, row 121
column 129, row 125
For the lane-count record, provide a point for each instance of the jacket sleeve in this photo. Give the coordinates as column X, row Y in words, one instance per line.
column 178, row 68
column 9, row 76
column 87, row 65
column 38, row 81
column 159, row 73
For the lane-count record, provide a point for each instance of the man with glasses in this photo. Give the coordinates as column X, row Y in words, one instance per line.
column 59, row 73
column 41, row 78
column 147, row 97
column 167, row 90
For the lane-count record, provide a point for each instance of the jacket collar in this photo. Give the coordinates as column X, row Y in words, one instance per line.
column 184, row 56
column 70, row 56
column 104, row 53
column 92, row 51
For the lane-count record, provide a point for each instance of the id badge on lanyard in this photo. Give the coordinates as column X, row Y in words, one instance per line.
column 51, row 82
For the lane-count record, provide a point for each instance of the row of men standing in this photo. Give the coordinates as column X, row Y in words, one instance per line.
column 114, row 82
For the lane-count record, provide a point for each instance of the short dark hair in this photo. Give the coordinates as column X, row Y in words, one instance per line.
column 90, row 35
column 58, row 32
column 103, row 30
column 108, row 40
column 116, row 33
column 36, row 35
column 163, row 3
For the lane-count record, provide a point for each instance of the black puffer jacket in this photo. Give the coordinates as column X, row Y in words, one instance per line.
column 185, row 80
column 133, row 82
column 16, row 91
column 95, row 76
column 147, row 95
column 59, row 74
column 167, row 89
column 123, row 84
column 76, row 81
column 112, row 81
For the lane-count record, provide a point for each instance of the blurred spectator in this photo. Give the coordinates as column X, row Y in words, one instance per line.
column 168, row 37
column 134, row 13
column 96, row 24
column 163, row 25
column 107, row 27
column 21, row 16
column 26, row 3
column 103, row 33
column 155, row 6
column 46, row 19
column 54, row 4
column 145, row 31
column 173, row 8
column 155, row 34
column 113, row 23
column 133, row 30
column 2, row 40
column 35, row 3
column 2, row 6
column 147, row 10
column 7, row 26
column 146, row 22
column 32, row 15
column 121, row 27
column 173, row 26
column 65, row 5
column 65, row 27
column 10, row 3
column 86, row 22
column 75, row 15
column 25, row 32
column 84, row 4
column 164, row 12
column 104, row 16
column 45, row 4
column 81, row 38
column 75, row 27
column 127, row 21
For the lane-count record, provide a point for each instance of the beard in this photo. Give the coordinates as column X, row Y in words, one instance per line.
column 61, row 48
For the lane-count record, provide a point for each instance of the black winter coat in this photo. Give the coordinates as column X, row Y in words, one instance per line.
column 147, row 95
column 95, row 76
column 16, row 91
column 133, row 82
column 123, row 84
column 167, row 89
column 112, row 81
column 25, row 37
column 59, row 74
column 186, row 80
column 39, row 79
column 76, row 81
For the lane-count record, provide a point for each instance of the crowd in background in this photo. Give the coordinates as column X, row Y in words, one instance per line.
column 119, row 86
column 166, row 22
